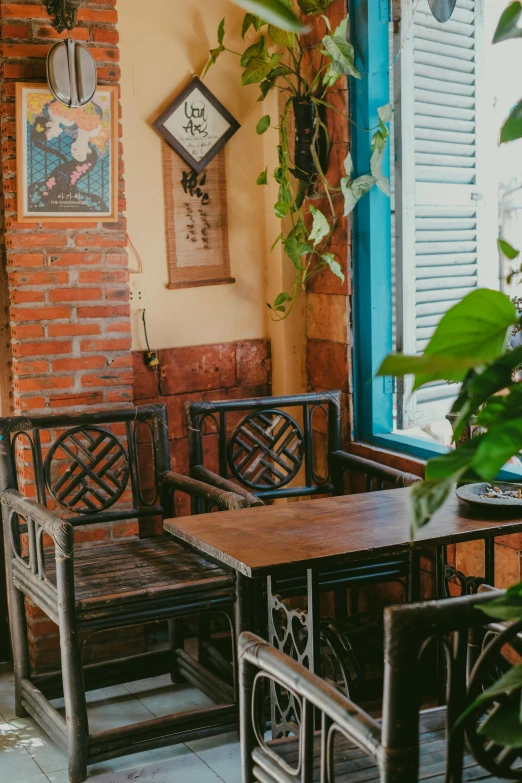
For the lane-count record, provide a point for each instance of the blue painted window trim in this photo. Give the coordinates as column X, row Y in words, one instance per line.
column 373, row 396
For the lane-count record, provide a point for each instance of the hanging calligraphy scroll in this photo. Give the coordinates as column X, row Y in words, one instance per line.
column 197, row 222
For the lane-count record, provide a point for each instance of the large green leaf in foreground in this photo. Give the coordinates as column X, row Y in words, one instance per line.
column 274, row 12
column 472, row 333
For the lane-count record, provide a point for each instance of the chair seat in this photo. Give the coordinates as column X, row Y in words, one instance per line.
column 112, row 579
column 353, row 765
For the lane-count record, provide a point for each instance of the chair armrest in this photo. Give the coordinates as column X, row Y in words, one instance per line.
column 227, row 500
column 258, row 657
column 60, row 530
column 370, row 468
column 209, row 477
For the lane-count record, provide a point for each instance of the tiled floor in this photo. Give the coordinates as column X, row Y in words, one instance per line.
column 27, row 755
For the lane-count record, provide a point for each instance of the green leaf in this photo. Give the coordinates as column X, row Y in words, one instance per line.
column 512, row 128
column 471, row 333
column 509, row 682
column 426, row 497
column 341, row 51
column 295, row 246
column 250, row 21
column 507, row 606
column 221, row 31
column 282, row 298
column 214, row 54
column 507, row 250
column 508, row 23
column 348, row 166
column 479, row 385
column 334, row 265
column 314, row 7
column 385, row 113
column 265, row 86
column 355, row 190
column 497, row 446
column 284, row 200
column 503, row 726
column 263, row 125
column 320, row 227
column 276, row 241
column 257, row 49
column 378, row 148
column 281, row 37
column 274, row 12
column 263, row 177
column 327, row 22
column 258, row 69
column 331, row 75
column 454, row 463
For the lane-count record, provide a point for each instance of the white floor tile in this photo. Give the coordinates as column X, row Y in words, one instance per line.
column 222, row 754
column 46, row 754
column 16, row 764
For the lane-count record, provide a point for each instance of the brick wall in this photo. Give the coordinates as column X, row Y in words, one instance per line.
column 65, row 288
column 226, row 371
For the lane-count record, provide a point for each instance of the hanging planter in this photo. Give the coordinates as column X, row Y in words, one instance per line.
column 310, row 138
column 442, row 9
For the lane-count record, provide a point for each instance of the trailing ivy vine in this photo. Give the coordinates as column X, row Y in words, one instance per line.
column 276, row 59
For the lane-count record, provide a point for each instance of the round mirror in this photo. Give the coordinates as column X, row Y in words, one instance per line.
column 71, row 73
column 442, row 9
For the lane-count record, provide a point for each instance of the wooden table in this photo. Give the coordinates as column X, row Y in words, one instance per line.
column 320, row 536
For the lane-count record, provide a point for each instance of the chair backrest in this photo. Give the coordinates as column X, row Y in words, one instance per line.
column 92, row 467
column 393, row 744
column 266, row 442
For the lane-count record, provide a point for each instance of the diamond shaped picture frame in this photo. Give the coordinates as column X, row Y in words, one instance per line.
column 196, row 125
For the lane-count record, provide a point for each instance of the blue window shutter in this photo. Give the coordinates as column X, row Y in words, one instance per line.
column 445, row 235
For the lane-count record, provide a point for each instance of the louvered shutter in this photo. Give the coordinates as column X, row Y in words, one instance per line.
column 445, row 233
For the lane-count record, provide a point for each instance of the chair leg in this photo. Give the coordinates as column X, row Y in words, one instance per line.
column 176, row 642
column 75, row 704
column 22, row 666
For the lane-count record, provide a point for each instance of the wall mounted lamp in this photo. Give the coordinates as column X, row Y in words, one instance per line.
column 65, row 13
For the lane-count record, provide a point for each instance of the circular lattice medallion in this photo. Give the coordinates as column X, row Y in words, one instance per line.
column 266, row 450
column 86, row 470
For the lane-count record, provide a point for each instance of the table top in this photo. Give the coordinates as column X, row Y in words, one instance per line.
column 327, row 532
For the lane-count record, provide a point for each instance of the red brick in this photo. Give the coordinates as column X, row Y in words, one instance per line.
column 118, row 294
column 25, row 50
column 41, row 384
column 38, row 278
column 253, row 362
column 15, row 11
column 20, row 296
column 72, row 330
column 42, row 349
column 104, row 311
column 95, row 15
column 125, row 530
column 107, row 379
column 39, row 313
column 123, row 396
column 121, row 327
column 80, row 400
column 83, row 363
column 96, row 240
column 27, row 332
column 121, row 344
column 29, row 403
column 102, row 276
column 25, row 259
column 327, row 364
column 102, row 35
column 75, row 294
column 75, row 259
column 46, row 31
column 16, row 31
column 36, row 239
column 118, row 259
column 30, row 368
column 198, row 368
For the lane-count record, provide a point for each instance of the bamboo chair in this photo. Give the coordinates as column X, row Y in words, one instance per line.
column 409, row 744
column 86, row 470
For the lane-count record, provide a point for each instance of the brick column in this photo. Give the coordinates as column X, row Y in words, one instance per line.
column 65, row 306
column 69, row 312
column 327, row 299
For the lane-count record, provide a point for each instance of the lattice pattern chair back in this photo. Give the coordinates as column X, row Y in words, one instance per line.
column 409, row 744
column 264, row 444
column 92, row 467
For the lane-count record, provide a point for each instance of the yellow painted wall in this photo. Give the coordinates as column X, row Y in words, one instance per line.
column 162, row 43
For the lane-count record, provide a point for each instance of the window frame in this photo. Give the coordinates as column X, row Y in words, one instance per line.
column 372, row 280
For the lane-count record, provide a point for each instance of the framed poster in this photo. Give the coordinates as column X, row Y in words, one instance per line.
column 196, row 125
column 67, row 159
column 197, row 222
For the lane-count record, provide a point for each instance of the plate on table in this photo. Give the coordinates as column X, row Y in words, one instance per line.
column 478, row 496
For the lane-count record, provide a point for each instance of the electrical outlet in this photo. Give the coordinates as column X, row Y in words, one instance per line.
column 138, row 292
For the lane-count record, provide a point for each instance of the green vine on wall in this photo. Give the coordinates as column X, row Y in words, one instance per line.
column 276, row 59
